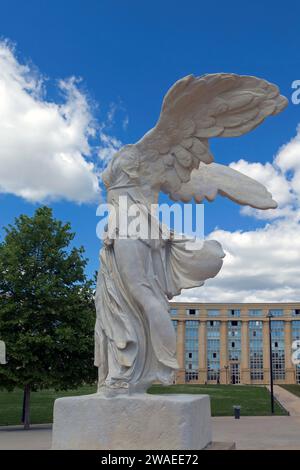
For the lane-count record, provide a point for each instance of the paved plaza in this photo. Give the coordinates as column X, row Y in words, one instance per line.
column 259, row 432
column 14, row 437
column 288, row 400
column 265, row 432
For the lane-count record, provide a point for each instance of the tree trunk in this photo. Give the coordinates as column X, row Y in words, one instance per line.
column 26, row 407
column 23, row 407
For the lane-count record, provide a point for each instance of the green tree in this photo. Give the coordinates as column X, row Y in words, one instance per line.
column 47, row 309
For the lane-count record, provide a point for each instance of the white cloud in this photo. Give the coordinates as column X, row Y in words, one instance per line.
column 274, row 179
column 288, row 159
column 282, row 179
column 288, row 156
column 108, row 143
column 262, row 264
column 109, row 146
column 44, row 146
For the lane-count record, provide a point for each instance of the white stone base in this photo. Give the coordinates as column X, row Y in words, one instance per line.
column 125, row 422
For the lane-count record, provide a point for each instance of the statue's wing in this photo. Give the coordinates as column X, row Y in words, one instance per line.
column 197, row 108
column 209, row 180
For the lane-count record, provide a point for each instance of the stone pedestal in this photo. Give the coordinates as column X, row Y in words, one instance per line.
column 138, row 421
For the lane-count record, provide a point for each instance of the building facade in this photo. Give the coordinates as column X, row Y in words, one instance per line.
column 229, row 343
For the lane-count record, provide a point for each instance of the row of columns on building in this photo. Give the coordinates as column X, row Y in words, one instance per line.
column 245, row 357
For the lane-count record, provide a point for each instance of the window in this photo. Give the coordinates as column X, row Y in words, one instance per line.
column 190, row 376
column 256, row 350
column 192, row 312
column 255, row 313
column 276, row 312
column 295, row 329
column 296, row 336
column 278, row 353
column 235, row 373
column 234, row 313
column 191, row 350
column 298, row 374
column 234, row 347
column 296, row 312
column 175, row 323
column 173, row 312
column 213, row 350
column 213, row 313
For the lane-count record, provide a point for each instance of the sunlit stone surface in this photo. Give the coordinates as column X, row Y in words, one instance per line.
column 140, row 421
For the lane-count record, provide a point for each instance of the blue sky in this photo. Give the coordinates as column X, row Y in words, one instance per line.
column 129, row 53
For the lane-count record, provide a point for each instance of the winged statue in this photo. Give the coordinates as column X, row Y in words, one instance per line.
column 135, row 341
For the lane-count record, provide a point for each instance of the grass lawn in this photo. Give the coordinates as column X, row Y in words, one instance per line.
column 253, row 400
column 293, row 388
column 41, row 404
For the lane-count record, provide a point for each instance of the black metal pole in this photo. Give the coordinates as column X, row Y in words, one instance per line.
column 271, row 365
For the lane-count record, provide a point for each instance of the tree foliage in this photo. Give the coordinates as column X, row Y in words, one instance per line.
column 46, row 306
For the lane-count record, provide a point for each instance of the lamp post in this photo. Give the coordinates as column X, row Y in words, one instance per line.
column 270, row 316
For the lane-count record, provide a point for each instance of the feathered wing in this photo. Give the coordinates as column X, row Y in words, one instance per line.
column 195, row 109
column 210, row 180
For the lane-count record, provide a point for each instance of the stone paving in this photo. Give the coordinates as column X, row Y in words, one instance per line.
column 264, row 432
column 14, row 437
column 249, row 432
column 259, row 432
column 288, row 400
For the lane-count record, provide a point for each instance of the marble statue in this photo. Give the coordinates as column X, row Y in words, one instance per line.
column 135, row 342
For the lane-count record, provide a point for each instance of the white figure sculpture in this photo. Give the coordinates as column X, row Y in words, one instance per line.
column 135, row 342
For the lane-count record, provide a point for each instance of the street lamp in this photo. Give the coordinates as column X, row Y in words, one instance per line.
column 270, row 316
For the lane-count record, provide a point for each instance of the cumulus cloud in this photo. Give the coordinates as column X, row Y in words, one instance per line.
column 271, row 176
column 288, row 160
column 282, row 179
column 45, row 147
column 262, row 265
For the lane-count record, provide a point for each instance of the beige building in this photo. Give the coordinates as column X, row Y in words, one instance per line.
column 229, row 343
